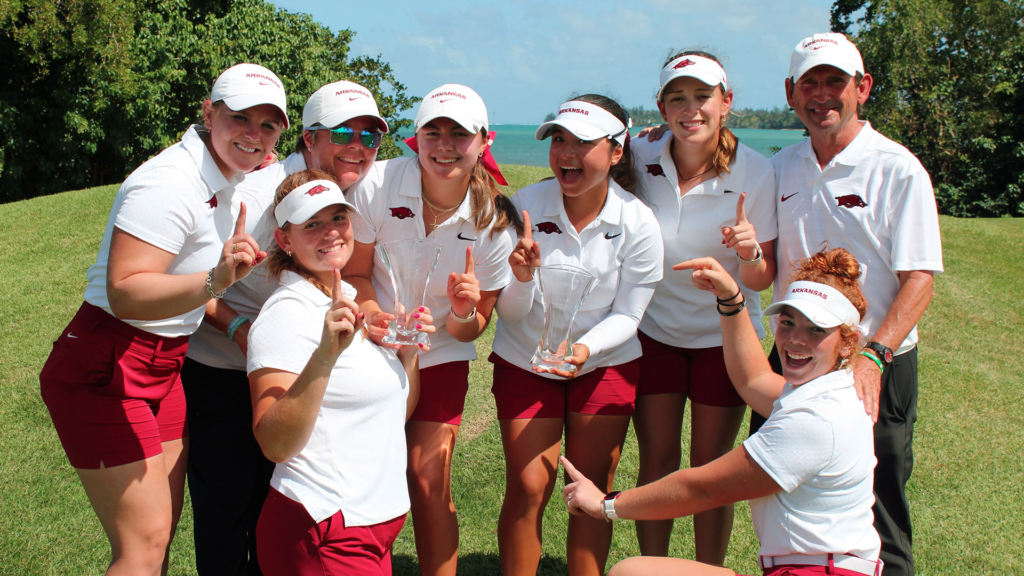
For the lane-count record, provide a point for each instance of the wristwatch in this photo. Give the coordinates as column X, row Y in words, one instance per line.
column 883, row 352
column 608, row 505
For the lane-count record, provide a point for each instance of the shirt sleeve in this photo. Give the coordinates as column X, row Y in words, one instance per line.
column 760, row 205
column 159, row 209
column 284, row 337
column 645, row 252
column 793, row 446
column 628, row 308
column 914, row 221
column 516, row 300
column 366, row 198
column 491, row 266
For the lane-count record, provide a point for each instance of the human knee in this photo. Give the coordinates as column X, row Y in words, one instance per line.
column 427, row 480
column 531, row 488
column 627, row 567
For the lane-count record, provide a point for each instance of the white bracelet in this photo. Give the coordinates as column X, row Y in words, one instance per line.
column 462, row 320
column 753, row 261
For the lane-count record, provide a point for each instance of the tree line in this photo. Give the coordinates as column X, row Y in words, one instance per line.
column 90, row 89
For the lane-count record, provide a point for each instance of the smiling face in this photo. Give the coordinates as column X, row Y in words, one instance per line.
column 347, row 162
column 581, row 166
column 241, row 139
column 447, row 150
column 806, row 350
column 320, row 244
column 694, row 110
column 825, row 98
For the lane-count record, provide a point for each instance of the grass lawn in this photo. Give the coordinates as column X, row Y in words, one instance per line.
column 966, row 491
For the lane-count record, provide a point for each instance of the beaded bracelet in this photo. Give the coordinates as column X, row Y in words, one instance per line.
column 209, row 286
column 234, row 325
column 740, row 306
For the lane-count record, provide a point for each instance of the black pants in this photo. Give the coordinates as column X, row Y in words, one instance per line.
column 228, row 476
column 894, row 449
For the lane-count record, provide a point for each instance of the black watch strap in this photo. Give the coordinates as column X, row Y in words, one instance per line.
column 883, row 352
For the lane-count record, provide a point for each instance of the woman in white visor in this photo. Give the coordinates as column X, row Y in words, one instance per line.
column 713, row 197
column 586, row 217
column 808, row 472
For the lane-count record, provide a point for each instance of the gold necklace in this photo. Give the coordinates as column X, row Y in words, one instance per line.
column 438, row 211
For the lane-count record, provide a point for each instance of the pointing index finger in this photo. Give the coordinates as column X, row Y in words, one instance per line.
column 694, row 264
column 240, row 223
column 336, row 290
column 574, row 474
column 470, row 267
column 741, row 210
column 527, row 227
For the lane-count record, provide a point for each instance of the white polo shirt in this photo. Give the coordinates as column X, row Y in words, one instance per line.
column 389, row 200
column 873, row 199
column 355, row 458
column 691, row 225
column 622, row 243
column 818, row 445
column 209, row 345
column 178, row 201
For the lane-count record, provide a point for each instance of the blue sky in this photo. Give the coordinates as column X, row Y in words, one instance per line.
column 526, row 57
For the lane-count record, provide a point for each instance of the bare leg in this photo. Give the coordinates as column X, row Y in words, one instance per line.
column 658, row 422
column 436, row 527
column 531, row 449
column 135, row 505
column 641, row 566
column 176, row 463
column 593, row 444
column 713, row 433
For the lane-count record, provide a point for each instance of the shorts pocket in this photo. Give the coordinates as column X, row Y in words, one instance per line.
column 144, row 375
column 81, row 361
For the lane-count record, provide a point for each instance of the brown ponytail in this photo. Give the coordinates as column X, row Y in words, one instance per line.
column 725, row 154
column 278, row 260
column 840, row 270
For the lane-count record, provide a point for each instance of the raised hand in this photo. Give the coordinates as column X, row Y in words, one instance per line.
column 341, row 323
column 653, row 133
column 741, row 237
column 464, row 289
column 240, row 254
column 709, row 275
column 581, row 495
column 526, row 255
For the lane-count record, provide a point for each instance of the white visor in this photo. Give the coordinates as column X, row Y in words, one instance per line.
column 306, row 200
column 821, row 304
column 586, row 121
column 704, row 69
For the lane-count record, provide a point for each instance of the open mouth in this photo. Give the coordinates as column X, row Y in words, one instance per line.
column 331, row 249
column 446, row 161
column 246, row 149
column 571, row 174
column 795, row 360
column 692, row 124
column 350, row 160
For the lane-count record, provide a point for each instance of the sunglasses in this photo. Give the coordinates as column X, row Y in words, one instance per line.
column 343, row 135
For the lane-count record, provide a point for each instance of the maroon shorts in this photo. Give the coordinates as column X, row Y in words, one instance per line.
column 443, row 391
column 113, row 390
column 808, row 571
column 698, row 373
column 290, row 543
column 606, row 391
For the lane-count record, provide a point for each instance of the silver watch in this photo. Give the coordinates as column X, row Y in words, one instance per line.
column 753, row 261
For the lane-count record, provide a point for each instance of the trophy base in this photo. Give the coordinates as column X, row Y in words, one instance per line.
column 404, row 337
column 549, row 362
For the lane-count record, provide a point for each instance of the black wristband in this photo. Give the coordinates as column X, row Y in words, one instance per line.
column 740, row 306
column 724, row 300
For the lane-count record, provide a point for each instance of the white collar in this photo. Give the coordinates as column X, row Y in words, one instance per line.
column 208, row 170
column 611, row 212
column 848, row 156
column 414, row 189
column 835, row 380
column 307, row 290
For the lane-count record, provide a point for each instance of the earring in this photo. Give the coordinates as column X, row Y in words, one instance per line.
column 289, row 253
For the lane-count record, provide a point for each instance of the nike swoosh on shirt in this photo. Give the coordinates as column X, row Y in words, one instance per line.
column 70, row 335
column 608, row 235
column 784, row 198
column 461, row 237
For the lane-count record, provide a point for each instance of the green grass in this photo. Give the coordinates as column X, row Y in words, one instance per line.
column 966, row 491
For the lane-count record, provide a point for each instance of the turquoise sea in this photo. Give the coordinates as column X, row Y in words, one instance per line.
column 515, row 143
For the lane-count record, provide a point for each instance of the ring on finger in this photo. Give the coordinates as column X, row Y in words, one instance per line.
column 235, row 248
column 234, row 257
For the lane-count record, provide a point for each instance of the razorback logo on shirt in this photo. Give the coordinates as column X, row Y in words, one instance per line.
column 316, row 190
column 548, row 228
column 684, row 64
column 212, row 202
column 402, row 212
column 851, row 201
column 655, row 170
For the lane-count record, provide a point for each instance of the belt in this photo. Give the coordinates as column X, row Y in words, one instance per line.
column 844, row 561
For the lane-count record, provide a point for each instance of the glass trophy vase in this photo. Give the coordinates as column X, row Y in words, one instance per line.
column 409, row 264
column 563, row 289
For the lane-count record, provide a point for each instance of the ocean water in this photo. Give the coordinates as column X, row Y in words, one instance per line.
column 515, row 143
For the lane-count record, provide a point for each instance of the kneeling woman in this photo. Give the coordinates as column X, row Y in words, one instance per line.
column 812, row 460
column 587, row 218
column 329, row 406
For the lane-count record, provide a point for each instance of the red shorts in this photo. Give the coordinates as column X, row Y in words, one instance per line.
column 113, row 390
column 290, row 543
column 443, row 391
column 698, row 373
column 607, row 391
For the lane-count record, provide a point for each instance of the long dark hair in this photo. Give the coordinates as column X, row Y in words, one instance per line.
column 624, row 173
